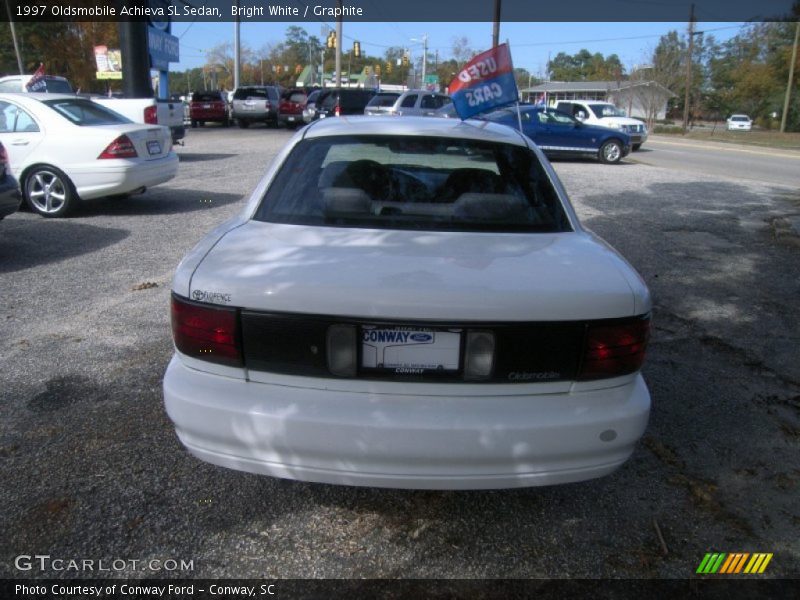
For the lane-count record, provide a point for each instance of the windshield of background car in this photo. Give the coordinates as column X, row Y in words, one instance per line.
column 383, row 100
column 85, row 112
column 206, row 97
column 606, row 110
column 57, row 86
column 413, row 182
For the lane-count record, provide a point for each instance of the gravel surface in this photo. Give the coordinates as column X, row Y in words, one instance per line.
column 92, row 468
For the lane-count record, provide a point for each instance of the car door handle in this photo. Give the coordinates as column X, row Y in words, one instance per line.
column 20, row 142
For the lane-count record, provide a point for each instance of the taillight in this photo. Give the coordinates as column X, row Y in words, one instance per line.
column 336, row 110
column 151, row 115
column 614, row 348
column 206, row 332
column 122, row 147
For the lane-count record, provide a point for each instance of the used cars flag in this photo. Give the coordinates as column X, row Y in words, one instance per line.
column 486, row 82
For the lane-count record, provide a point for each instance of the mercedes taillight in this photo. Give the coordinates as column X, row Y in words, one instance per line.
column 122, row 147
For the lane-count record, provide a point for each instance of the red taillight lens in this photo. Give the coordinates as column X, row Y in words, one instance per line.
column 122, row 147
column 151, row 115
column 206, row 332
column 614, row 348
column 336, row 110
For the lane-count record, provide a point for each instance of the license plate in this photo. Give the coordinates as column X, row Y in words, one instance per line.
column 410, row 350
column 249, row 107
column 206, row 106
column 291, row 118
column 154, row 147
column 322, row 116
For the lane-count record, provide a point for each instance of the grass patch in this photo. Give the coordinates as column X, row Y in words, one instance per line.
column 756, row 137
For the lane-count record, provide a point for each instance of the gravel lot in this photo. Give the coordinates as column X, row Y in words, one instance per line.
column 92, row 468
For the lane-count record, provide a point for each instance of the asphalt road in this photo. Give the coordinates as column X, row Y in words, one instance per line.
column 91, row 467
column 734, row 161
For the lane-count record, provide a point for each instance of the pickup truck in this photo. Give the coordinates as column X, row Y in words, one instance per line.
column 153, row 111
column 605, row 114
column 139, row 110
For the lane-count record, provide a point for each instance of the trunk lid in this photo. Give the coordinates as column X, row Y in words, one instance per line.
column 410, row 275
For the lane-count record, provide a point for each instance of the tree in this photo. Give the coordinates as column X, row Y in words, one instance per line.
column 585, row 66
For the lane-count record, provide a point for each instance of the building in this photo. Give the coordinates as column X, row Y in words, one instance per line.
column 642, row 99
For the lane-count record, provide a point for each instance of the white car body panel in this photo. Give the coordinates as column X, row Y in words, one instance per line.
column 74, row 150
column 416, row 275
column 405, row 434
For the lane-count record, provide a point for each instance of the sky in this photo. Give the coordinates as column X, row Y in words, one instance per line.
column 531, row 43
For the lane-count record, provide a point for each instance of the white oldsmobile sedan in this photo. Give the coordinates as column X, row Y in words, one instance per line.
column 409, row 303
column 64, row 149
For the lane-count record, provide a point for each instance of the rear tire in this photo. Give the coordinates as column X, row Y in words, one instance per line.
column 49, row 192
column 243, row 124
column 201, row 123
column 194, row 123
column 226, row 122
column 610, row 152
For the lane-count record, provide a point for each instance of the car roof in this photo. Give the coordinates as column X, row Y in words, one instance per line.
column 414, row 126
column 36, row 97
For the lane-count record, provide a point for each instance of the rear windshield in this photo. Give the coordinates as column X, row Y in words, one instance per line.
column 85, row 112
column 404, row 182
column 57, row 86
column 384, row 100
column 245, row 93
column 294, row 96
column 739, row 118
column 206, row 97
column 352, row 99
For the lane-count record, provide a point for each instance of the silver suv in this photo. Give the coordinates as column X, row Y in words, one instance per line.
column 256, row 104
column 419, row 103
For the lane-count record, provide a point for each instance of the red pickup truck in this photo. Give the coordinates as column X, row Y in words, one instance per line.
column 208, row 106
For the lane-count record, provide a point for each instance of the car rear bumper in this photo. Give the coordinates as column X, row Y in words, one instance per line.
column 413, row 439
column 9, row 197
column 123, row 176
column 290, row 119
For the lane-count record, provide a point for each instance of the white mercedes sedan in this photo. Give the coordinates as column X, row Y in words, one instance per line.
column 65, row 148
column 409, row 303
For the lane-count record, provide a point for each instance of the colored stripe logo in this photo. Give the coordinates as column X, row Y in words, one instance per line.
column 734, row 563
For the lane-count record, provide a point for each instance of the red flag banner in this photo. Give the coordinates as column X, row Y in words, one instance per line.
column 37, row 82
column 486, row 82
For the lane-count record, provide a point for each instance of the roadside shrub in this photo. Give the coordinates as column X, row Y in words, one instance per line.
column 667, row 129
column 765, row 122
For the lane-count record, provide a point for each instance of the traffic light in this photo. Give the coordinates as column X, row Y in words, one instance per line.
column 278, row 69
column 367, row 71
column 389, row 67
column 298, row 69
column 405, row 60
column 331, row 41
column 357, row 49
column 378, row 70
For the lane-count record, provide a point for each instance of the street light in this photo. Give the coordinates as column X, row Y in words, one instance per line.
column 424, row 42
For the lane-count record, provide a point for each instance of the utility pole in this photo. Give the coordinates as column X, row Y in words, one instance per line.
column 236, row 48
column 496, row 27
column 688, row 71
column 338, row 48
column 791, row 78
column 14, row 38
column 424, row 57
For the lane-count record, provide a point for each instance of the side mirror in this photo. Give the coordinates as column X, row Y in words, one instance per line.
column 580, row 115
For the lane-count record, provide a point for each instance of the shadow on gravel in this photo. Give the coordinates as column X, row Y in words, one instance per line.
column 35, row 241
column 157, row 202
column 200, row 157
